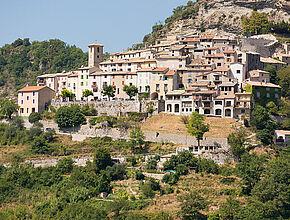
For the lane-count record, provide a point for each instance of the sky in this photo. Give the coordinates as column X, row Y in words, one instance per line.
column 117, row 24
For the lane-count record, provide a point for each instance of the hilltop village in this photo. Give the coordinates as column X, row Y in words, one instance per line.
column 212, row 75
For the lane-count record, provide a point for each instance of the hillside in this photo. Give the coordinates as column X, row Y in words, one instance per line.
column 22, row 61
column 220, row 16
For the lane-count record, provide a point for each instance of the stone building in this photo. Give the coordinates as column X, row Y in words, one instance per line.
column 34, row 99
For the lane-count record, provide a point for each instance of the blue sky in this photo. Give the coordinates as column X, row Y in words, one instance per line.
column 115, row 23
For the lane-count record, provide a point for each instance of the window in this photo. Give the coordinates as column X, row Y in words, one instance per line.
column 189, row 74
column 219, row 64
column 276, row 90
column 218, row 102
column 22, row 103
column 33, row 93
column 165, row 87
column 27, row 97
column 33, row 101
column 123, row 83
column 267, row 89
column 82, row 76
column 268, row 95
column 82, row 83
column 258, row 94
column 238, row 71
column 157, row 86
column 276, row 95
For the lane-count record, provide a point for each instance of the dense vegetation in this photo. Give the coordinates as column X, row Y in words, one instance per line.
column 22, row 61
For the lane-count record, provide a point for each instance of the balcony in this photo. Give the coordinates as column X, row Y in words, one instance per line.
column 245, row 105
column 206, row 99
column 207, row 105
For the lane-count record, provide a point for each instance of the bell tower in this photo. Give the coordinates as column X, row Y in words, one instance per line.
column 95, row 54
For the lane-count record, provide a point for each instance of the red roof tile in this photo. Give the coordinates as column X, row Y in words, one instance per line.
column 32, row 88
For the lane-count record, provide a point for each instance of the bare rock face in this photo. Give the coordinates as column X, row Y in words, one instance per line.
column 225, row 16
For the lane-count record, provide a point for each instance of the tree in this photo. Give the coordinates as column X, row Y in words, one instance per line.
column 284, row 79
column 273, row 189
column 272, row 108
column 191, row 204
column 8, row 107
column 102, row 159
column 109, row 91
column 87, row 93
column 130, row 90
column 137, row 136
column 273, row 73
column 65, row 165
column 67, row 94
column 257, row 23
column 196, row 126
column 237, row 141
column 230, row 209
column 67, row 117
column 34, row 117
column 260, row 117
column 250, row 170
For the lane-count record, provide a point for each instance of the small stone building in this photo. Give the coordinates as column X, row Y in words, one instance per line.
column 34, row 99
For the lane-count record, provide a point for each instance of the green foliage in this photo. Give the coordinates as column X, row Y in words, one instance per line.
column 139, row 175
column 65, row 165
column 89, row 111
column 272, row 108
column 137, row 137
column 284, row 79
column 256, row 24
column 150, row 108
column 87, row 93
column 116, row 172
column 237, row 141
column 196, row 126
column 130, row 90
column 230, row 208
column 171, row 178
column 8, row 107
column 67, row 117
column 250, row 170
column 22, row 61
column 191, row 205
column 109, row 91
column 67, row 94
column 102, row 159
column 273, row 73
column 34, row 117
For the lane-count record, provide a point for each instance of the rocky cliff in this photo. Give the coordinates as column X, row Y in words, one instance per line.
column 226, row 15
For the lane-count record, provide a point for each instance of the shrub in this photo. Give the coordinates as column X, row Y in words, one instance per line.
column 65, row 165
column 34, row 117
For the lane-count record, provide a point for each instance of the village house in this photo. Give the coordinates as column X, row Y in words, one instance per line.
column 282, row 137
column 34, row 99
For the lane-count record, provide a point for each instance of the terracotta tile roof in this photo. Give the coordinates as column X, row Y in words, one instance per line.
column 262, row 84
column 206, row 92
column 283, row 132
column 215, row 55
column 225, row 97
column 73, row 75
column 270, row 60
column 145, row 70
column 32, row 88
column 160, row 69
column 207, row 37
column 96, row 44
column 210, row 48
column 170, row 73
column 225, row 69
column 229, row 51
column 190, row 40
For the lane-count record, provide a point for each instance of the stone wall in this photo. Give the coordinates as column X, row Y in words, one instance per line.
column 116, row 108
column 216, row 149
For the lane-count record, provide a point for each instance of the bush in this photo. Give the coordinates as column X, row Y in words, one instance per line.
column 139, row 175
column 228, row 180
column 34, row 117
column 116, row 172
column 65, row 165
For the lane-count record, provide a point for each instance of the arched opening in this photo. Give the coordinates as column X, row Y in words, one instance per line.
column 169, row 108
column 228, row 113
column 218, row 112
column 154, row 96
column 176, row 108
column 206, row 111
